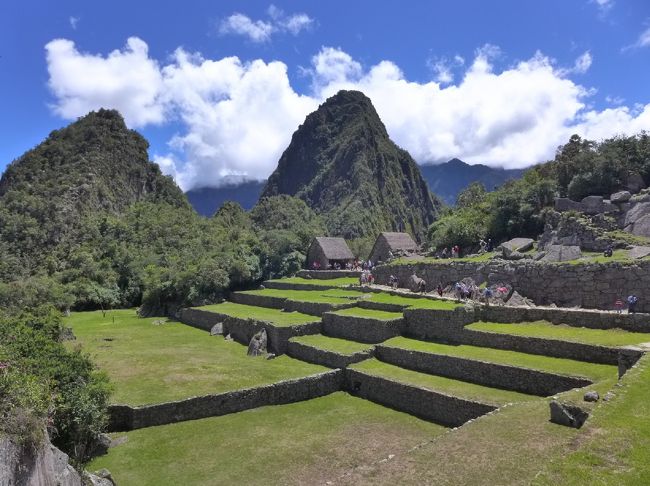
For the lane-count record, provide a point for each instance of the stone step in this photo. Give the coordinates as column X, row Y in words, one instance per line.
column 363, row 325
column 507, row 370
column 328, row 351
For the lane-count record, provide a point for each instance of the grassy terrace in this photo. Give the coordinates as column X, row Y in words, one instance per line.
column 594, row 372
column 340, row 346
column 544, row 329
column 414, row 261
column 150, row 363
column 413, row 302
column 333, row 282
column 302, row 443
column 274, row 316
column 440, row 384
column 325, row 296
column 369, row 313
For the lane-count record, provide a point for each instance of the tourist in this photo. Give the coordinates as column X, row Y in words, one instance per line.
column 608, row 252
column 487, row 295
column 392, row 281
column 445, row 252
column 631, row 303
column 489, row 245
column 618, row 305
column 439, row 289
column 482, row 245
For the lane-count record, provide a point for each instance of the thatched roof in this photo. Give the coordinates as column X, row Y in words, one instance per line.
column 400, row 241
column 334, row 248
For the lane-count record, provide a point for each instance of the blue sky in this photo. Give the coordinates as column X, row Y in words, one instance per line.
column 219, row 87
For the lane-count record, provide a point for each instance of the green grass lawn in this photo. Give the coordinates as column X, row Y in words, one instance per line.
column 612, row 448
column 598, row 257
column 309, row 442
column 543, row 329
column 150, row 363
column 332, row 282
column 413, row 302
column 369, row 313
column 591, row 371
column 440, row 384
column 325, row 296
column 340, row 346
column 476, row 258
column 274, row 316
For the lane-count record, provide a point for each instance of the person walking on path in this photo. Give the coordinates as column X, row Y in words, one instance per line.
column 618, row 305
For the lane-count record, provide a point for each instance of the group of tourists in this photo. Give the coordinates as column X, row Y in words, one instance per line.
column 366, row 278
column 632, row 301
column 356, row 265
column 454, row 252
column 485, row 246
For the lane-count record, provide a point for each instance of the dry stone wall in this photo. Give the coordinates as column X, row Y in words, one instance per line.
column 506, row 377
column 327, row 274
column 324, row 357
column 123, row 417
column 361, row 329
column 289, row 305
column 423, row 403
column 593, row 285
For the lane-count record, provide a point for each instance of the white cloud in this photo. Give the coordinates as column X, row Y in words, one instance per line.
column 74, row 21
column 257, row 31
column 128, row 80
column 235, row 118
column 583, row 63
column 262, row 30
column 604, row 6
column 443, row 68
column 642, row 41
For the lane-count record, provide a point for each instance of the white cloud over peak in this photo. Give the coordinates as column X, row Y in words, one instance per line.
column 262, row 30
column 235, row 118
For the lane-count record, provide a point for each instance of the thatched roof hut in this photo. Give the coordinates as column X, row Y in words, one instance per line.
column 326, row 250
column 398, row 244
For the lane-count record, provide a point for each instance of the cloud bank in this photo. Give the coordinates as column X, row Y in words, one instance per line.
column 236, row 117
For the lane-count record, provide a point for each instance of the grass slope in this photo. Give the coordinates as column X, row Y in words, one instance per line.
column 612, row 448
column 274, row 316
column 369, row 313
column 150, row 363
column 594, row 372
column 326, row 296
column 332, row 282
column 544, row 329
column 337, row 345
column 440, row 384
column 303, row 443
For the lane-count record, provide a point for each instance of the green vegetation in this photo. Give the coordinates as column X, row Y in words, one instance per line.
column 594, row 372
column 274, row 316
column 308, row 442
column 332, row 282
column 518, row 208
column 598, row 257
column 342, row 162
column 325, row 296
column 544, row 329
column 369, row 313
column 340, row 346
column 612, row 448
column 42, row 383
column 440, row 384
column 413, row 302
column 152, row 361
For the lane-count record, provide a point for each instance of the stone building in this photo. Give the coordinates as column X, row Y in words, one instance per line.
column 328, row 251
column 397, row 244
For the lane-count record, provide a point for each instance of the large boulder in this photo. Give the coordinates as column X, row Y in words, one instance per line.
column 416, row 284
column 634, row 182
column 642, row 227
column 257, row 346
column 638, row 251
column 637, row 212
column 518, row 244
column 592, row 204
column 620, row 197
column 565, row 204
column 567, row 414
column 561, row 253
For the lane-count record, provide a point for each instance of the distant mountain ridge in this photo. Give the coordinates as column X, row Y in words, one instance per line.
column 207, row 200
column 342, row 163
column 448, row 179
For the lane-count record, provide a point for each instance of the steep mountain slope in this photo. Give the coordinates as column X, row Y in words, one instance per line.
column 207, row 200
column 448, row 179
column 93, row 165
column 342, row 163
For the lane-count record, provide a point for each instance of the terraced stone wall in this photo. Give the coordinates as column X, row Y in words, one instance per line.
column 289, row 305
column 594, row 286
column 362, row 329
column 494, row 375
column 324, row 357
column 243, row 330
column 124, row 417
column 327, row 274
column 423, row 403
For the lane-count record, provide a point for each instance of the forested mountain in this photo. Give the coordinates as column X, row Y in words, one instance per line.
column 342, row 163
column 448, row 179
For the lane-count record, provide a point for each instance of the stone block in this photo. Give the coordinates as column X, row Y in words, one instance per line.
column 561, row 253
column 642, row 226
column 620, row 197
column 637, row 212
column 518, row 244
column 638, row 251
column 567, row 414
